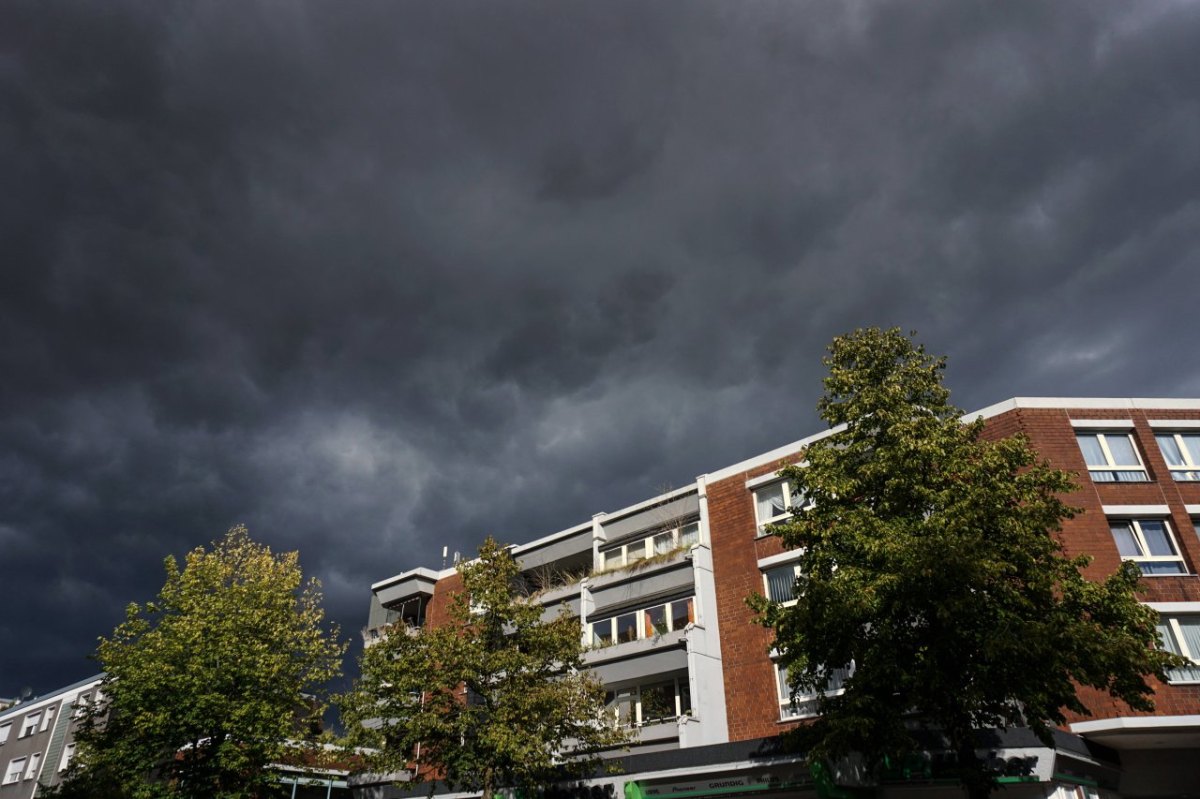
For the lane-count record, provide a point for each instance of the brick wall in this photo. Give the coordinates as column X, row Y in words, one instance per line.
column 750, row 692
column 438, row 613
column 751, row 698
column 1051, row 433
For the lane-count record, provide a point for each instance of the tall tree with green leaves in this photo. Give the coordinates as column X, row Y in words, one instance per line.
column 929, row 564
column 493, row 698
column 210, row 683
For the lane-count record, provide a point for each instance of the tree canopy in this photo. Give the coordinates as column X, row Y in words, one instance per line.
column 930, row 567
column 210, row 683
column 494, row 697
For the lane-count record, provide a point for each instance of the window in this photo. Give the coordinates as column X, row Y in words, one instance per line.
column 622, row 707
column 1112, row 458
column 68, row 753
column 805, row 705
column 5, row 729
column 663, row 543
column 34, row 761
column 644, row 623
column 628, row 628
column 47, row 717
column 780, row 583
column 1149, row 544
column 30, row 724
column 81, row 705
column 660, row 543
column 652, row 703
column 656, row 620
column 773, row 503
column 1181, row 451
column 1181, row 635
column 13, row 774
column 624, row 555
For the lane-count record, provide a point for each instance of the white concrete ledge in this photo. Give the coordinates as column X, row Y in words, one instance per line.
column 1135, row 724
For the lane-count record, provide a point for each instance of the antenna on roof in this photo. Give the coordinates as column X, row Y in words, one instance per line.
column 445, row 551
column 457, row 557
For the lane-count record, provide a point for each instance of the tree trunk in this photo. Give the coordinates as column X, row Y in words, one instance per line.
column 971, row 774
column 489, row 788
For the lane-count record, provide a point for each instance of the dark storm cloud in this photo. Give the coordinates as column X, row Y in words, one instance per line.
column 376, row 278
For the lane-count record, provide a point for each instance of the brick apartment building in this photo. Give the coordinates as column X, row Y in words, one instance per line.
column 688, row 671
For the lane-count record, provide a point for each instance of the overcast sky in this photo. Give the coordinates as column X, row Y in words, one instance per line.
column 375, row 278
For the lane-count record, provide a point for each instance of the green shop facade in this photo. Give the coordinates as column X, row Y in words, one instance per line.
column 1024, row 767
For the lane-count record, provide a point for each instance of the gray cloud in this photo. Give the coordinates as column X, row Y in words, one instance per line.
column 379, row 278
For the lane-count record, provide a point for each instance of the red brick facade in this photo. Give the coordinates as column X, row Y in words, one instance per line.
column 750, row 691
column 438, row 612
column 751, row 696
column 1051, row 434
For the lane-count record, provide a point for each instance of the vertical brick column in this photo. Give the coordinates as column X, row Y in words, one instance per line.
column 751, row 696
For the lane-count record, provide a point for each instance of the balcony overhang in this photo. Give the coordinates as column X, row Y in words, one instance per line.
column 1142, row 732
column 408, row 585
column 639, row 660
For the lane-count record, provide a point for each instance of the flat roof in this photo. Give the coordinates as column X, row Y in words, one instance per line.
column 26, row 704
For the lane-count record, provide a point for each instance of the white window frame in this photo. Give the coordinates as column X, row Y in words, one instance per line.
column 1111, row 467
column 65, row 760
column 643, row 630
column 5, row 731
column 646, row 547
column 15, row 767
column 47, row 717
column 29, row 724
column 1189, row 471
column 1179, row 645
column 81, row 703
column 790, row 495
column 804, row 705
column 1135, row 527
column 31, row 770
column 795, row 576
column 636, row 720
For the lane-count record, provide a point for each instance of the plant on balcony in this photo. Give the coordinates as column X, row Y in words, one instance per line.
column 542, row 580
column 655, row 559
column 493, row 698
column 929, row 560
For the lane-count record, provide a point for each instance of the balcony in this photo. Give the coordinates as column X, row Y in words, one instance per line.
column 640, row 658
column 373, row 635
column 667, row 573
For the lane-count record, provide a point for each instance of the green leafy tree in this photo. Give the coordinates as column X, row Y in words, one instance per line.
column 929, row 562
column 212, row 682
column 495, row 697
